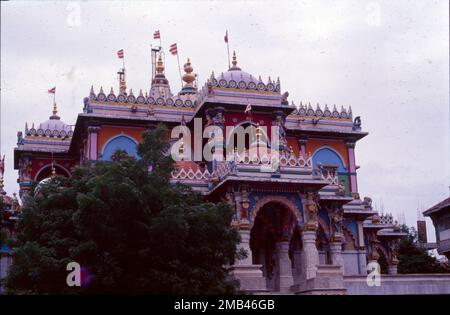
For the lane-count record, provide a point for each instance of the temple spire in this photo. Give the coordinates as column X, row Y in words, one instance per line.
column 234, row 62
column 55, row 112
column 160, row 65
column 122, row 81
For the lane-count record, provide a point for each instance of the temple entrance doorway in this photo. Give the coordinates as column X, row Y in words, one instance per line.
column 276, row 245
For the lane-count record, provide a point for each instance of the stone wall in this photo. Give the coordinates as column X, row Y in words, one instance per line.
column 400, row 284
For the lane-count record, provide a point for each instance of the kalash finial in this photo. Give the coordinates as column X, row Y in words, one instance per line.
column 55, row 112
column 188, row 77
column 234, row 62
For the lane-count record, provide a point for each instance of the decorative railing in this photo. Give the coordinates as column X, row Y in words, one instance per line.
column 49, row 131
column 267, row 159
column 307, row 111
column 223, row 169
column 386, row 219
column 267, row 162
column 332, row 178
column 190, row 174
column 130, row 98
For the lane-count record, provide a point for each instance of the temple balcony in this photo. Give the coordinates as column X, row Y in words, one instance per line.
column 270, row 170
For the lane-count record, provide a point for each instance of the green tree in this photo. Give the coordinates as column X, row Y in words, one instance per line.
column 128, row 226
column 414, row 258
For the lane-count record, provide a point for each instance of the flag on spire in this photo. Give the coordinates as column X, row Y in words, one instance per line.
column 156, row 35
column 120, row 54
column 173, row 49
column 52, row 90
column 226, row 37
column 248, row 111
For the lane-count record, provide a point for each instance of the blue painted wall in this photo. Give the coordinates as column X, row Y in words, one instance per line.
column 328, row 156
column 119, row 143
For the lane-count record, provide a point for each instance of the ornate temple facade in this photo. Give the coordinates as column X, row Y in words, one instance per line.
column 303, row 222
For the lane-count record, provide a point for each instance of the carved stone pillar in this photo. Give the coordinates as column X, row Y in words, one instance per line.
column 245, row 244
column 362, row 254
column 309, row 234
column 283, row 272
column 352, row 165
column 362, row 262
column 336, row 254
column 310, row 253
column 250, row 276
column 93, row 142
column 298, row 270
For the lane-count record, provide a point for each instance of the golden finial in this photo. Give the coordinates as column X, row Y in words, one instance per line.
column 188, row 77
column 234, row 62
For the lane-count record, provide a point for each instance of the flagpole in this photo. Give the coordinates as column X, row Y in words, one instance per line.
column 179, row 69
column 228, row 49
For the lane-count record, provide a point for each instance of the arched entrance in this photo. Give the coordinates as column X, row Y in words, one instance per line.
column 275, row 244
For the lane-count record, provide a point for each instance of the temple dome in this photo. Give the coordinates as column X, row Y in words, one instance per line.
column 55, row 124
column 53, row 127
column 235, row 73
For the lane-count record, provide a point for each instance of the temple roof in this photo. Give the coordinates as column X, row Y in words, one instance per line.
column 437, row 207
column 236, row 78
column 53, row 127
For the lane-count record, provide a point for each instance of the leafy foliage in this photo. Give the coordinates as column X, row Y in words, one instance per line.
column 130, row 228
column 414, row 258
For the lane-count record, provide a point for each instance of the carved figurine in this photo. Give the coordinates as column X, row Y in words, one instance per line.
column 311, row 207
column 284, row 98
column 19, row 138
column 336, row 220
column 357, row 123
column 341, row 188
column 26, row 170
column 367, row 202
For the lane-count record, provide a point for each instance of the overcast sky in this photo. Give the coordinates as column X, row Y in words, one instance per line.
column 388, row 60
